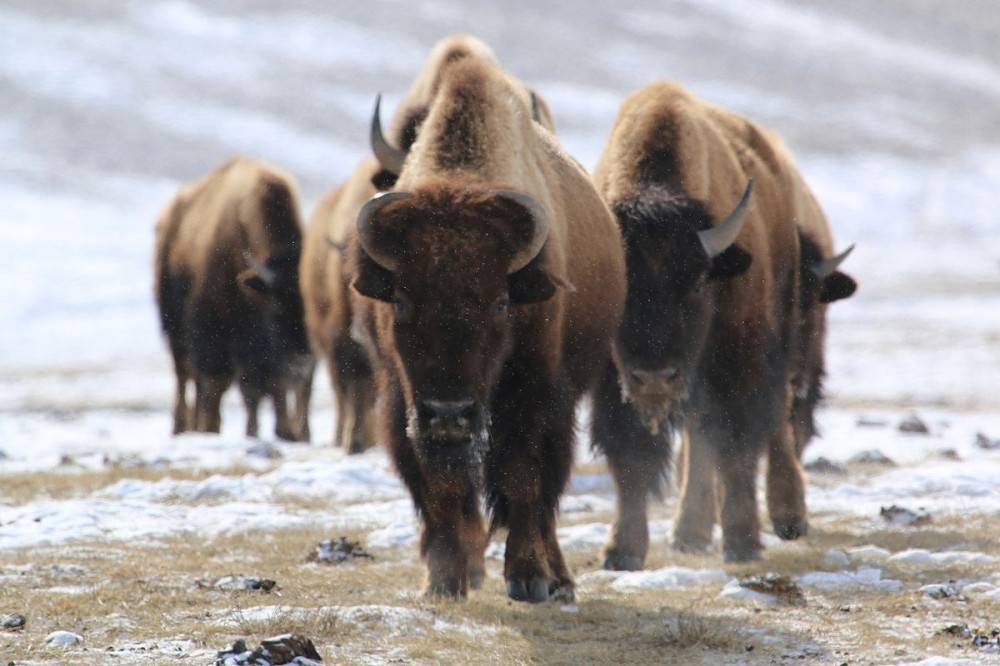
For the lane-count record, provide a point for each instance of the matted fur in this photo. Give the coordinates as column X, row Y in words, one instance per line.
column 214, row 243
column 452, row 240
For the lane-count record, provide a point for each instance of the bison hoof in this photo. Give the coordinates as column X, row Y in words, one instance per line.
column 536, row 591
column 791, row 530
column 445, row 591
column 621, row 562
column 691, row 545
column 476, row 579
column 562, row 591
column 734, row 555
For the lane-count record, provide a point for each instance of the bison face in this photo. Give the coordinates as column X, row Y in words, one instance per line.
column 274, row 286
column 674, row 273
column 450, row 269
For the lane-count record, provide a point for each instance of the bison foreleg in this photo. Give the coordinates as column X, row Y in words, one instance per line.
column 740, row 519
column 786, row 501
column 454, row 541
column 697, row 511
column 208, row 400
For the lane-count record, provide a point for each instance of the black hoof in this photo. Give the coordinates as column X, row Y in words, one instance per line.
column 535, row 592
column 619, row 562
column 791, row 531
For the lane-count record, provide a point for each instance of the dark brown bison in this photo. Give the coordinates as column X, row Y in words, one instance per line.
column 708, row 344
column 324, row 282
column 226, row 264
column 488, row 286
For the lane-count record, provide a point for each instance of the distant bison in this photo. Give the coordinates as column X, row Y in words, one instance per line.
column 488, row 286
column 226, row 283
column 708, row 344
column 329, row 314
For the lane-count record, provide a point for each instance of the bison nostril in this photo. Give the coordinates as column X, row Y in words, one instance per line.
column 671, row 374
column 448, row 410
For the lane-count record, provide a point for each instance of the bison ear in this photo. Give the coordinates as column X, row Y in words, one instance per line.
column 252, row 281
column 374, row 281
column 836, row 287
column 532, row 284
column 733, row 261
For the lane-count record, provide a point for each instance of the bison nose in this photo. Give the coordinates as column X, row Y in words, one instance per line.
column 448, row 416
column 663, row 376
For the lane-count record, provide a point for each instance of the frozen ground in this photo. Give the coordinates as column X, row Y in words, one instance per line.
column 891, row 108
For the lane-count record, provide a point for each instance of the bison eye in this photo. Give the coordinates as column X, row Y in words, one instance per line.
column 402, row 307
column 501, row 307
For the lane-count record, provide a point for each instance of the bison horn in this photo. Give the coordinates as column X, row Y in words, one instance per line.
column 825, row 268
column 718, row 239
column 536, row 112
column 540, row 230
column 364, row 226
column 390, row 157
column 260, row 268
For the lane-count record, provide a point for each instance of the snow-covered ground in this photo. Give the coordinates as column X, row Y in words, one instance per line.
column 890, row 107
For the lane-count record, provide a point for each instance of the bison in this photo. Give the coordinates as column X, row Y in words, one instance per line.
column 227, row 288
column 329, row 314
column 707, row 345
column 488, row 285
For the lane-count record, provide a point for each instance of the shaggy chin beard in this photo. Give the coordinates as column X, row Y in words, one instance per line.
column 658, row 411
column 451, row 458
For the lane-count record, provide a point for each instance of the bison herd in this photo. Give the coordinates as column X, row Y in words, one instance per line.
column 470, row 283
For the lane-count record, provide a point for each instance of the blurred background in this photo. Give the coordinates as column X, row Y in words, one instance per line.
column 892, row 109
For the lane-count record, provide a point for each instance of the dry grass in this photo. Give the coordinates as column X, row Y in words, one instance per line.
column 150, row 603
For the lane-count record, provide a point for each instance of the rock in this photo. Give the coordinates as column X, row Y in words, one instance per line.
column 281, row 650
column 872, row 457
column 984, row 442
column 12, row 622
column 239, row 583
column 265, row 450
column 825, row 466
column 913, row 425
column 939, row 591
column 869, row 422
column 781, row 588
column 948, row 454
column 337, row 551
column 898, row 515
column 63, row 638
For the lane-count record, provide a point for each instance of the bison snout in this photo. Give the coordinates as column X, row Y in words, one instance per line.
column 448, row 418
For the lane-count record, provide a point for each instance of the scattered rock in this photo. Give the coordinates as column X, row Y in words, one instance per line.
column 986, row 443
column 870, row 422
column 825, row 466
column 239, row 583
column 283, row 650
column 898, row 515
column 940, row 591
column 914, row 426
column 958, row 630
column 265, row 450
column 989, row 642
column 948, row 454
column 63, row 638
column 782, row 588
column 337, row 551
column 872, row 457
column 12, row 622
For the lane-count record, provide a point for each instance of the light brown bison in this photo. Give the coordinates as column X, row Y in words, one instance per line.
column 488, row 286
column 226, row 283
column 708, row 343
column 324, row 282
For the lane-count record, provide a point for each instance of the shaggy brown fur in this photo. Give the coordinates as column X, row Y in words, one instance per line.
column 324, row 285
column 719, row 333
column 227, row 254
column 506, row 354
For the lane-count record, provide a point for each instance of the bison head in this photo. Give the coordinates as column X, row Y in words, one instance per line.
column 675, row 260
column 821, row 281
column 449, row 267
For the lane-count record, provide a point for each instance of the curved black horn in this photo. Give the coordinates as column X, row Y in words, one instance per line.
column 364, row 227
column 390, row 157
column 540, row 231
column 717, row 239
column 825, row 268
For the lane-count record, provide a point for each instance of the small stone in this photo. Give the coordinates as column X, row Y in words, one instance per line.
column 265, row 450
column 939, row 591
column 63, row 638
column 12, row 622
column 825, row 466
column 898, row 515
column 277, row 651
column 914, row 426
column 238, row 583
column 338, row 551
column 986, row 443
column 870, row 422
column 783, row 588
column 948, row 454
column 872, row 457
